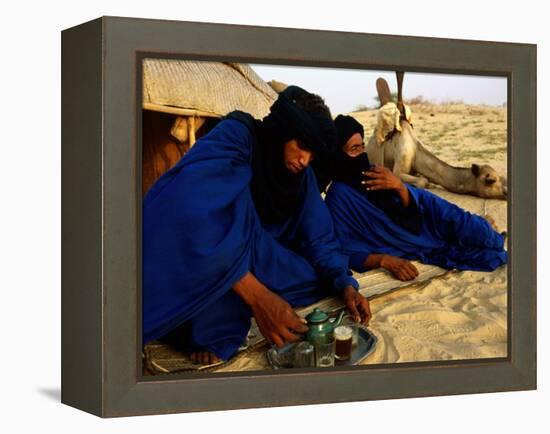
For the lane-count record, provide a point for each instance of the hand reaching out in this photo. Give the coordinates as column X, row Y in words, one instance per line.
column 276, row 319
column 357, row 305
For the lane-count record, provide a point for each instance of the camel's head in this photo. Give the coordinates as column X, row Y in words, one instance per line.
column 488, row 183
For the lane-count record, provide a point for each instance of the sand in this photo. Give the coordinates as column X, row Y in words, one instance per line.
column 459, row 316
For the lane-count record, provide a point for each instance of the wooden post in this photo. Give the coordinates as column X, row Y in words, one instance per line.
column 191, row 134
column 400, row 106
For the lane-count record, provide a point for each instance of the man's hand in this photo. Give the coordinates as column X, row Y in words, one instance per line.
column 400, row 268
column 382, row 178
column 357, row 305
column 276, row 319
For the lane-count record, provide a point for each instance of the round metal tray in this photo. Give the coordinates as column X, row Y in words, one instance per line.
column 282, row 358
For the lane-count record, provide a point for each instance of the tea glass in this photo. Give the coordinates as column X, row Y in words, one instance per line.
column 304, row 355
column 324, row 353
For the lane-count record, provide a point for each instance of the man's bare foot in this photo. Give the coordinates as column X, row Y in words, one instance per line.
column 204, row 358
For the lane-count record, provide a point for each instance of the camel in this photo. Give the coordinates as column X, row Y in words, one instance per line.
column 395, row 145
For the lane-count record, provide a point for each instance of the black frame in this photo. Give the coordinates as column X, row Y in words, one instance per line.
column 101, row 217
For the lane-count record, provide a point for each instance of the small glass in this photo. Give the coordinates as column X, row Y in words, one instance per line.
column 324, row 353
column 350, row 322
column 304, row 355
column 343, row 337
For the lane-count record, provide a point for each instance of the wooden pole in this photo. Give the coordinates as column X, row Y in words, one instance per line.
column 191, row 135
column 400, row 106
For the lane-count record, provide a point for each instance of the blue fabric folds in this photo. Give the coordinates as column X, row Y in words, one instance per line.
column 450, row 237
column 201, row 234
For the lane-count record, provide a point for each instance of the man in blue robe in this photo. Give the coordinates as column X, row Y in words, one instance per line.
column 382, row 222
column 237, row 228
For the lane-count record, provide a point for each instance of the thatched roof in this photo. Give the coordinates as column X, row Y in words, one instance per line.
column 204, row 88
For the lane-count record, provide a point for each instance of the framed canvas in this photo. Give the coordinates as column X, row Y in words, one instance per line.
column 103, row 179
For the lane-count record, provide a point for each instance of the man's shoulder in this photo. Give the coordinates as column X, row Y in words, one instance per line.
column 232, row 127
column 337, row 187
column 228, row 136
column 237, row 129
column 245, row 119
column 339, row 191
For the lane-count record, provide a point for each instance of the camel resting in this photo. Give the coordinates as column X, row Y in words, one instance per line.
column 395, row 145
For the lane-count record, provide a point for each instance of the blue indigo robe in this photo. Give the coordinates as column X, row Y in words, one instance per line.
column 449, row 236
column 201, row 234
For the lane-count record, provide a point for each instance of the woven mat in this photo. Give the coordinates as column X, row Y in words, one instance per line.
column 161, row 358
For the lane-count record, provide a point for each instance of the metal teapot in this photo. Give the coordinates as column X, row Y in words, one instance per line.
column 321, row 326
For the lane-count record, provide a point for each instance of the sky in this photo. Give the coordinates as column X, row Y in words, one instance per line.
column 346, row 89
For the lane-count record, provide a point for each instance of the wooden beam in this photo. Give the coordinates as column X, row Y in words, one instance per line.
column 191, row 135
column 179, row 111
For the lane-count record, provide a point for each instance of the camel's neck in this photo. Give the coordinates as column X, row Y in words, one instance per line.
column 455, row 179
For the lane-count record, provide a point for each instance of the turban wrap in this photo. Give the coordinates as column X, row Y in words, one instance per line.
column 276, row 190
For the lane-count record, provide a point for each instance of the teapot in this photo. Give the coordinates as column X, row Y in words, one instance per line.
column 321, row 326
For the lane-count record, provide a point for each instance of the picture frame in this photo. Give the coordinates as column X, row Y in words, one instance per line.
column 101, row 218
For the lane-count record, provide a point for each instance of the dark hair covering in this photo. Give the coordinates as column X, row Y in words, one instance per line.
column 340, row 166
column 345, row 168
column 347, row 126
column 349, row 170
column 296, row 114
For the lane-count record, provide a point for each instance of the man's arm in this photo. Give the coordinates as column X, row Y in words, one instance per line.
column 276, row 319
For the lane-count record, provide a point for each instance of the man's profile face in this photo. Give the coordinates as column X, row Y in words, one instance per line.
column 296, row 157
column 354, row 146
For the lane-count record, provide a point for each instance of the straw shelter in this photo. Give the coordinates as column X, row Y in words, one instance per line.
column 183, row 100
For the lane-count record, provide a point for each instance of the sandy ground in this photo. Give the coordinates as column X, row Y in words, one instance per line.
column 464, row 314
column 459, row 316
